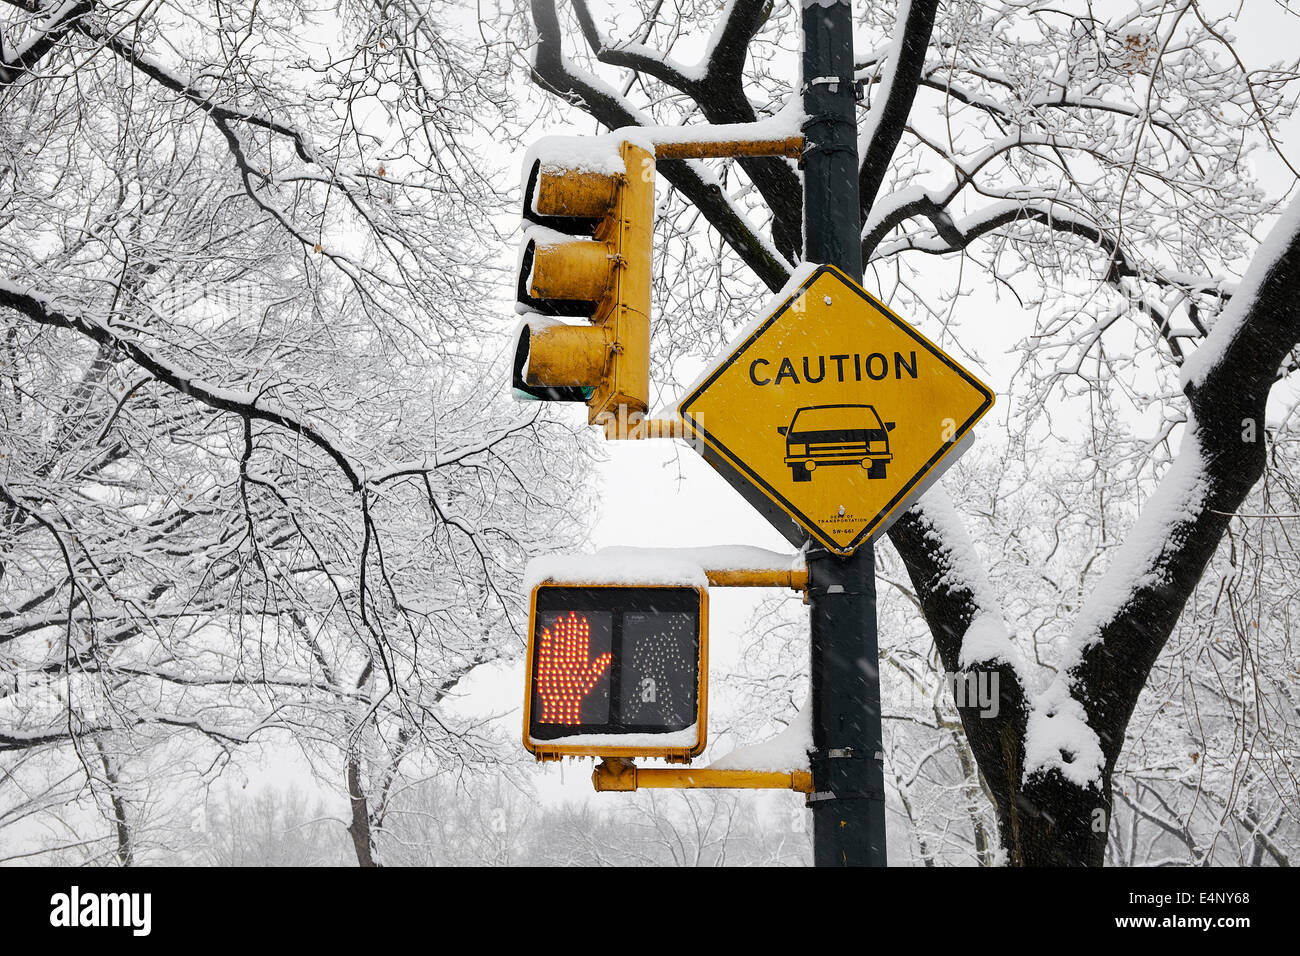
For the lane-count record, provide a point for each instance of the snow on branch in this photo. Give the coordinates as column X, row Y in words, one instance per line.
column 952, row 235
column 986, row 638
column 25, row 740
column 244, row 403
column 557, row 73
column 1130, row 614
column 1231, row 329
column 19, row 59
column 721, row 62
column 634, row 56
column 153, row 69
column 890, row 108
column 247, row 404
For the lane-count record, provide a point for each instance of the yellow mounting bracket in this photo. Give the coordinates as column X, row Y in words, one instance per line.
column 620, row 774
column 796, row 579
column 737, row 140
column 637, row 428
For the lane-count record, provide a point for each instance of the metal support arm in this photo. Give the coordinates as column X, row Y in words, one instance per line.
column 619, row 774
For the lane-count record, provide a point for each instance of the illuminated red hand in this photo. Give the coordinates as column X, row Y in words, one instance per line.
column 564, row 674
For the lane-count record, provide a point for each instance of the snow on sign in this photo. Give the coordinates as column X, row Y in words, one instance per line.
column 616, row 671
column 836, row 409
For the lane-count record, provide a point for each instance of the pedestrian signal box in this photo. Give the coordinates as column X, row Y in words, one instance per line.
column 617, row 671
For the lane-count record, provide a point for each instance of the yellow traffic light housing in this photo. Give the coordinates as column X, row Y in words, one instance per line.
column 587, row 254
column 617, row 671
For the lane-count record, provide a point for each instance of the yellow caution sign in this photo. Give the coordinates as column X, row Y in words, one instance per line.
column 836, row 409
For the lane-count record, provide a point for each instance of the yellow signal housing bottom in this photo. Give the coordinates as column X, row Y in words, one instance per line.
column 567, row 354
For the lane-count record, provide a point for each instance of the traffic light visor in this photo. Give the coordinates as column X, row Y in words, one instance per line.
column 555, row 362
column 560, row 274
column 570, row 200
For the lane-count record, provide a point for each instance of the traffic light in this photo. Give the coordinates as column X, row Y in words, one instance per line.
column 617, row 671
column 588, row 255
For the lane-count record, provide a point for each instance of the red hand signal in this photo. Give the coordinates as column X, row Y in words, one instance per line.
column 564, row 674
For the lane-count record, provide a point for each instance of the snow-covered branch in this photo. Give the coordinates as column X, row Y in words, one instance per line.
column 892, row 104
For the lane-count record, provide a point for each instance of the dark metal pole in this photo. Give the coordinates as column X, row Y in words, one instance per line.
column 847, row 766
column 832, row 221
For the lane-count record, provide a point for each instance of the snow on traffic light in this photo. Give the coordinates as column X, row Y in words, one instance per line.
column 616, row 671
column 587, row 254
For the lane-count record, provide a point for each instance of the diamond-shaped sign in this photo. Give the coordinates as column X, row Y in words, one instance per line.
column 836, row 409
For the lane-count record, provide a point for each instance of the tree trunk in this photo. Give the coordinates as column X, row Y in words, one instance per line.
column 1053, row 822
column 122, row 826
column 359, row 828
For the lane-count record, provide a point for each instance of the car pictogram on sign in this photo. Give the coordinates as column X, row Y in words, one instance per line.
column 820, row 435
